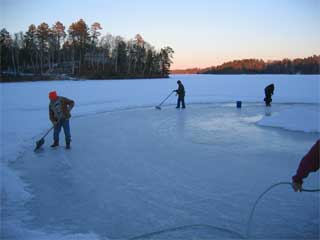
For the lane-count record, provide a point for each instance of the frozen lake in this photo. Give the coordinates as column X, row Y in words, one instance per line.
column 134, row 171
column 137, row 171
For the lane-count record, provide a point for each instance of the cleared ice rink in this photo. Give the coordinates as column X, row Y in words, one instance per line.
column 147, row 172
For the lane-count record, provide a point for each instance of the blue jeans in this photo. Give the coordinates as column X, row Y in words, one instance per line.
column 66, row 128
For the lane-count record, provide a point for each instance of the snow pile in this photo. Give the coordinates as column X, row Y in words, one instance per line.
column 294, row 118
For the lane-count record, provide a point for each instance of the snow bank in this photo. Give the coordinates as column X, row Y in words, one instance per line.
column 295, row 118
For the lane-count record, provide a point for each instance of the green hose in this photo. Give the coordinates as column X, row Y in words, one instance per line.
column 262, row 194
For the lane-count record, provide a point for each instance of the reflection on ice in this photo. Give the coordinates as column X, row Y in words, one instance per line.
column 268, row 111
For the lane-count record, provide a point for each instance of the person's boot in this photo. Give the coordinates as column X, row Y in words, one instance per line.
column 55, row 144
column 67, row 144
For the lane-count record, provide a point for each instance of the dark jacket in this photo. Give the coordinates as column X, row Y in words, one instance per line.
column 269, row 90
column 180, row 91
column 60, row 109
column 309, row 163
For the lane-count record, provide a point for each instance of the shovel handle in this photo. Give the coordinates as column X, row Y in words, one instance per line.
column 51, row 129
column 166, row 98
column 48, row 132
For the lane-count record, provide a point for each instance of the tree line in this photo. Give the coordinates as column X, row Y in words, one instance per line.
column 309, row 65
column 80, row 51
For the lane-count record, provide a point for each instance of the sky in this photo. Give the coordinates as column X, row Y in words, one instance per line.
column 202, row 33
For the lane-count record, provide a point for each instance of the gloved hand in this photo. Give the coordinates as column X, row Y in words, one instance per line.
column 55, row 122
column 69, row 108
column 296, row 186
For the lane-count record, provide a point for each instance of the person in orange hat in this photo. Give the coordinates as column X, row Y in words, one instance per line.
column 59, row 113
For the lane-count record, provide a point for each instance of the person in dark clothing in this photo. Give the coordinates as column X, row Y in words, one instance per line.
column 309, row 163
column 59, row 114
column 181, row 93
column 268, row 91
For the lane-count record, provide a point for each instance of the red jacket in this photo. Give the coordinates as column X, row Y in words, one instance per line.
column 309, row 163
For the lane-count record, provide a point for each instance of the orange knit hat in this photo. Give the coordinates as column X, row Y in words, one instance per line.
column 53, row 95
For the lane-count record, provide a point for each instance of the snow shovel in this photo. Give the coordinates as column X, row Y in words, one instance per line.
column 159, row 106
column 40, row 142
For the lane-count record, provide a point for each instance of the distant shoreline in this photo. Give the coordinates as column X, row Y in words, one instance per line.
column 178, row 73
column 110, row 78
column 309, row 65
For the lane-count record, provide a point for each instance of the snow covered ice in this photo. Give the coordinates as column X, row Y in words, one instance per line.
column 135, row 171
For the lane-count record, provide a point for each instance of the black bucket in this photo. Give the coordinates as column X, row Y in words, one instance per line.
column 239, row 104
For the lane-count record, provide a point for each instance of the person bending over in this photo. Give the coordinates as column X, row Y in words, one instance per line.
column 59, row 114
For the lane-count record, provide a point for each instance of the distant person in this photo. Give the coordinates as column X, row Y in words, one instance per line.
column 181, row 93
column 268, row 91
column 309, row 163
column 59, row 112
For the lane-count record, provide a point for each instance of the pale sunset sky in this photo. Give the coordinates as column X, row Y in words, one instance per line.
column 202, row 33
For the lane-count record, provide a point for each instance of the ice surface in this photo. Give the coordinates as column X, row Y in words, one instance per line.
column 295, row 117
column 142, row 170
column 134, row 170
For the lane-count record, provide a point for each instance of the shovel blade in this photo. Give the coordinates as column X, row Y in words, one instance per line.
column 39, row 144
column 158, row 107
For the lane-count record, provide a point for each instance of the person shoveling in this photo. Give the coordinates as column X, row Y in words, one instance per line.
column 180, row 93
column 59, row 113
